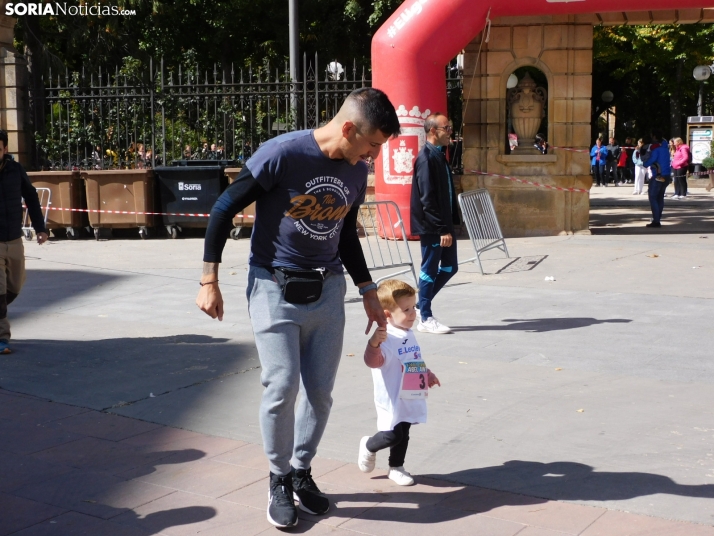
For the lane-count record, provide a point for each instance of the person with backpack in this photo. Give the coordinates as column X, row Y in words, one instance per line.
column 658, row 162
column 680, row 163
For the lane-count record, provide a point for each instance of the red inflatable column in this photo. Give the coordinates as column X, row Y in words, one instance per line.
column 408, row 65
column 393, row 179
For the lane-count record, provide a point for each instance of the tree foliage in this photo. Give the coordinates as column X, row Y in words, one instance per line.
column 649, row 70
column 204, row 33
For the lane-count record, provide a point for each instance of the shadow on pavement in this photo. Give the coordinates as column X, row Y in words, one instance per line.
column 44, row 288
column 572, row 481
column 522, row 264
column 542, row 325
column 530, row 483
column 632, row 220
column 109, row 373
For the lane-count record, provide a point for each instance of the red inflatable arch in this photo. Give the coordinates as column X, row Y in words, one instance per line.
column 409, row 53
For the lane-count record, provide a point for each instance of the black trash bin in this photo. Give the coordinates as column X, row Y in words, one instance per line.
column 191, row 189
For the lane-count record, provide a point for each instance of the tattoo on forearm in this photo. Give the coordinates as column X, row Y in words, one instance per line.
column 210, row 268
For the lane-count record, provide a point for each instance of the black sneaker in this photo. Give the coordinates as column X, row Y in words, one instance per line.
column 281, row 506
column 654, row 224
column 308, row 494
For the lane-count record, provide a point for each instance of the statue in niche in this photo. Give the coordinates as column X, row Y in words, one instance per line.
column 526, row 102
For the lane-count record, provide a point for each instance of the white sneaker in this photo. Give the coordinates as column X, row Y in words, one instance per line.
column 432, row 325
column 401, row 476
column 366, row 459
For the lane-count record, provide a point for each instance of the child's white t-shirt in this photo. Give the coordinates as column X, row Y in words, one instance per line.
column 400, row 346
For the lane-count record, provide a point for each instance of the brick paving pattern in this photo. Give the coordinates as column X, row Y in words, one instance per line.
column 67, row 470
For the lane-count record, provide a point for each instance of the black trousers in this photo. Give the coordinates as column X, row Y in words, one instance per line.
column 680, row 181
column 611, row 172
column 397, row 440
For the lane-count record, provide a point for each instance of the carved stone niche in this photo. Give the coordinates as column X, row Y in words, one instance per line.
column 526, row 104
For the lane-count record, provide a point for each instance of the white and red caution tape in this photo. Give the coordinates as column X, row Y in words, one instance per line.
column 131, row 212
column 570, row 149
column 532, row 183
column 583, row 150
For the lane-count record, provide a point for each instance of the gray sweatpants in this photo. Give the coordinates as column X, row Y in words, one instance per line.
column 299, row 347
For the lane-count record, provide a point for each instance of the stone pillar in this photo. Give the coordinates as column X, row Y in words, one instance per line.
column 560, row 47
column 13, row 91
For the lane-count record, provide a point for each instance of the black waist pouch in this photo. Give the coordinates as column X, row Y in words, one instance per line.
column 300, row 286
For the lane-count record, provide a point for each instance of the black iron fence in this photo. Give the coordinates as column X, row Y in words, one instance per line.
column 161, row 114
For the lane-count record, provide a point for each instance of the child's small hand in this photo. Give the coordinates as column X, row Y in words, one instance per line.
column 378, row 337
column 433, row 380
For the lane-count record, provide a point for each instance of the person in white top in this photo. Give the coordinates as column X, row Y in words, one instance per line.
column 640, row 170
column 401, row 381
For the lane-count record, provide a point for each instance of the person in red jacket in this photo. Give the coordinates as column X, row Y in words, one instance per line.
column 621, row 167
column 680, row 164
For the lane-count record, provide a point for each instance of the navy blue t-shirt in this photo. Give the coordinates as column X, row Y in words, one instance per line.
column 298, row 221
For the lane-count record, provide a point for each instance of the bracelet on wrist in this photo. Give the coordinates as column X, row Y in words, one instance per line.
column 367, row 288
column 208, row 282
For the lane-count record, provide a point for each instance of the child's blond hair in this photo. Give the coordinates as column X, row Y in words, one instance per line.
column 391, row 290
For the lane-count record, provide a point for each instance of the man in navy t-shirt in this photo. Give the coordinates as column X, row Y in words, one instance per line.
column 307, row 186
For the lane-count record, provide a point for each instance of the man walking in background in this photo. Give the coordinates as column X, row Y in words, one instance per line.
column 14, row 186
column 433, row 216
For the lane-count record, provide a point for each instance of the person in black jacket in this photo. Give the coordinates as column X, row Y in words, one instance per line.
column 14, row 186
column 433, row 216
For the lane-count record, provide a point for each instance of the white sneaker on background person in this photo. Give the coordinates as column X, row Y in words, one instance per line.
column 432, row 325
column 365, row 459
column 401, row 476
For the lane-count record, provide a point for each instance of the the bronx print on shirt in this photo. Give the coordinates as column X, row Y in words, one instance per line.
column 298, row 221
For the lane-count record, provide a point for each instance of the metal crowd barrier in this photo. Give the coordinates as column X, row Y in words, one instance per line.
column 482, row 224
column 45, row 197
column 385, row 239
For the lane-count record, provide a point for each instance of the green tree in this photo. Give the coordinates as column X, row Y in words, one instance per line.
column 649, row 69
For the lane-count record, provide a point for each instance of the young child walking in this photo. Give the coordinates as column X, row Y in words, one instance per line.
column 401, row 381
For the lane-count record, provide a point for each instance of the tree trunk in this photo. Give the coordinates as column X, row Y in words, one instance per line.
column 675, row 104
column 36, row 69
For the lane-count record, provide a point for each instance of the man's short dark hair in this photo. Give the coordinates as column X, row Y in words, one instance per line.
column 376, row 110
column 656, row 134
column 431, row 122
column 3, row 137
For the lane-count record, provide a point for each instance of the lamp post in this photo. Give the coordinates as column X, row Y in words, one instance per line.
column 294, row 45
column 701, row 74
column 607, row 97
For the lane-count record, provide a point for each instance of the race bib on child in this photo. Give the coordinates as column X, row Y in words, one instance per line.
column 415, row 380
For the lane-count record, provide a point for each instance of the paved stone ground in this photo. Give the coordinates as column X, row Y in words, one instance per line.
column 124, row 410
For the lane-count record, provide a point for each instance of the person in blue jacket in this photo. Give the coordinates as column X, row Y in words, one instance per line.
column 598, row 157
column 658, row 161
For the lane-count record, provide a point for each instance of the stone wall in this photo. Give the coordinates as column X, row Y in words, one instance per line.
column 560, row 47
column 13, row 90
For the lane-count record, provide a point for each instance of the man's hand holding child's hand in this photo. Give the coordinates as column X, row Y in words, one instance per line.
column 433, row 380
column 378, row 337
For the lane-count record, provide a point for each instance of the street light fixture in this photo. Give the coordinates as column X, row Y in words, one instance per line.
column 701, row 73
column 607, row 97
